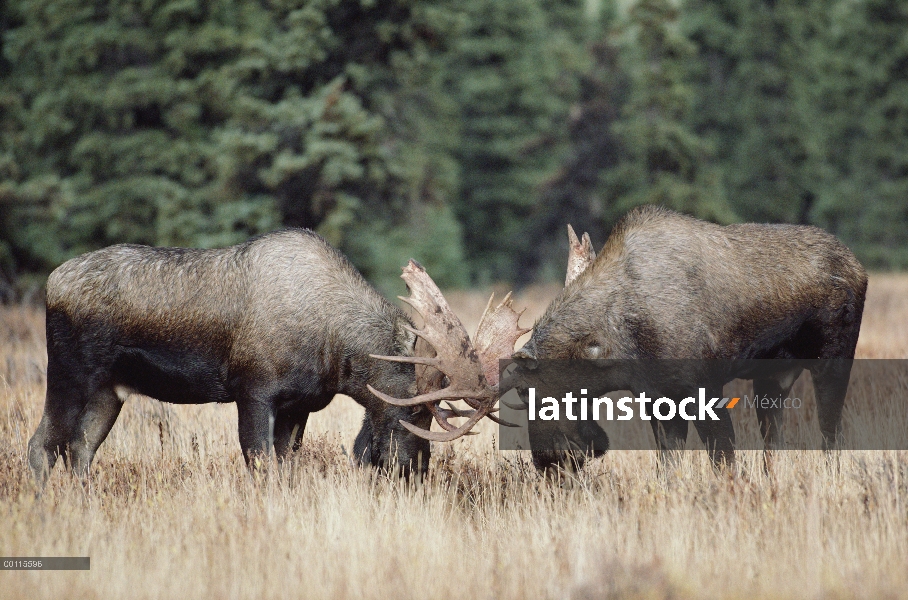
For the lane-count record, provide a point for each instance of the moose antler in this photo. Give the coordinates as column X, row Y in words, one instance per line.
column 472, row 370
column 498, row 331
column 580, row 255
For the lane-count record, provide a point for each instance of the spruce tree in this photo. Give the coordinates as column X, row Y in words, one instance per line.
column 861, row 102
column 573, row 195
column 202, row 123
column 661, row 159
column 804, row 102
column 513, row 75
column 751, row 73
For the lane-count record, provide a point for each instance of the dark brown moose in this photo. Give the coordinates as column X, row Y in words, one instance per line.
column 668, row 286
column 278, row 325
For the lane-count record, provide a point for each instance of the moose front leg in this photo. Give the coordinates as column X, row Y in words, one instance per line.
column 95, row 422
column 256, row 428
column 289, row 426
column 718, row 435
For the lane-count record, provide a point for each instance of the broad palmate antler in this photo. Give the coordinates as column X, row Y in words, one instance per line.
column 471, row 367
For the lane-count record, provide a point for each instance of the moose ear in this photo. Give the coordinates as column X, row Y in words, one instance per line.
column 404, row 338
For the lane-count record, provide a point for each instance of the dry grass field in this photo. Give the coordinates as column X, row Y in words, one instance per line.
column 171, row 512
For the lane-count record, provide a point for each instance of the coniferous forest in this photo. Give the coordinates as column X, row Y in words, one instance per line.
column 463, row 133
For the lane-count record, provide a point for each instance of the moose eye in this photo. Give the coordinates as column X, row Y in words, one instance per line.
column 595, row 351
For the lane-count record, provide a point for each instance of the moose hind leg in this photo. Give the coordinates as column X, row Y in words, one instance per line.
column 95, row 422
column 59, row 422
column 48, row 444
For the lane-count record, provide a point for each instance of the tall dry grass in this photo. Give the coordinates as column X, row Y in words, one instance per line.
column 171, row 512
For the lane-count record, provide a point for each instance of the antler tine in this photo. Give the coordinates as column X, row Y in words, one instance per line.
column 416, row 360
column 442, row 415
column 501, row 421
column 448, row 393
column 580, row 255
column 588, row 246
column 446, row 436
column 573, row 240
column 514, row 406
column 458, row 412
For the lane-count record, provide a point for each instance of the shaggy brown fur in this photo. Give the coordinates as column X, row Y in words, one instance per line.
column 279, row 325
column 668, row 286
